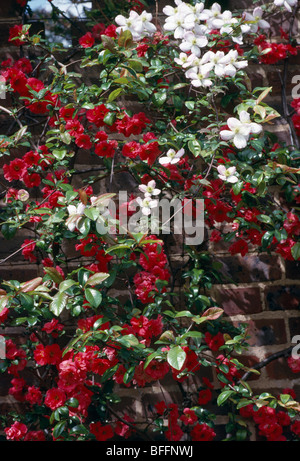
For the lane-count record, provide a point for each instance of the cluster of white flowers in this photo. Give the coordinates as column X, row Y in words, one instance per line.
column 288, row 4
column 192, row 24
column 139, row 25
column 148, row 202
column 240, row 130
column 198, row 69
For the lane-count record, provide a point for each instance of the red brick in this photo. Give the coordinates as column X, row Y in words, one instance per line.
column 282, row 297
column 266, row 332
column 250, row 268
column 236, row 301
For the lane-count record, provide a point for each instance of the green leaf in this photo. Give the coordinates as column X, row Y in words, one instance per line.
column 195, row 147
column 31, row 285
column 9, row 230
column 92, row 213
column 65, row 285
column 97, row 278
column 176, row 357
column 224, row 396
column 93, row 297
column 114, row 94
column 295, row 250
column 58, row 303
column 59, row 429
column 54, row 274
column 159, row 98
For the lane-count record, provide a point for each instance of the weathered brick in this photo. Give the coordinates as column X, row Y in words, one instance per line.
column 266, row 332
column 292, row 270
column 282, row 297
column 250, row 268
column 236, row 301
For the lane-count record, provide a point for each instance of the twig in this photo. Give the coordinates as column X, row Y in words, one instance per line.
column 265, row 362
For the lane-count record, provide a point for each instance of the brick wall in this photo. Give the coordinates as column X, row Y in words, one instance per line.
column 261, row 290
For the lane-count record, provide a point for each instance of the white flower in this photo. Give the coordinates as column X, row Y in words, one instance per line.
column 75, row 213
column 179, row 24
column 227, row 174
column 132, row 23
column 239, row 130
column 148, row 27
column 286, row 3
column 256, row 18
column 171, row 157
column 193, row 43
column 182, row 60
column 255, row 128
column 149, row 189
column 214, row 60
column 140, row 26
column 199, row 76
column 231, row 63
column 146, row 204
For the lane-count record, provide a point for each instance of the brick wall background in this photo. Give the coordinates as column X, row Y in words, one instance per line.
column 263, row 291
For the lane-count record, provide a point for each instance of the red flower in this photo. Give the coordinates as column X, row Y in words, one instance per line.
column 101, row 432
column 34, row 395
column 55, row 398
column 214, row 342
column 28, row 248
column 97, row 114
column 16, row 432
column 87, row 40
column 188, row 417
column 47, row 355
column 160, row 407
column 14, row 170
column 174, row 433
column 31, row 179
column 240, row 246
column 202, row 433
column 83, row 141
column 37, row 436
column 17, row 31
column 204, row 396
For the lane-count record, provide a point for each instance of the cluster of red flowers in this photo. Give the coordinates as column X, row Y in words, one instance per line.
column 154, row 262
column 274, row 52
column 271, row 423
column 199, row 431
column 296, row 116
column 88, row 39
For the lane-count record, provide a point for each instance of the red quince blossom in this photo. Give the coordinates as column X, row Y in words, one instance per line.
column 189, row 417
column 202, row 433
column 16, row 432
column 102, row 432
column 55, row 398
column 87, row 40
column 214, row 342
column 47, row 355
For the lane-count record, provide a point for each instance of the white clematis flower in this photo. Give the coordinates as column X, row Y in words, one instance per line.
column 193, row 43
column 149, row 189
column 199, row 76
column 146, row 204
column 288, row 4
column 75, row 214
column 256, row 18
column 240, row 130
column 171, row 157
column 227, row 174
